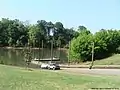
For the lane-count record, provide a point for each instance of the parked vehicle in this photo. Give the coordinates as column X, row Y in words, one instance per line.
column 44, row 66
column 53, row 66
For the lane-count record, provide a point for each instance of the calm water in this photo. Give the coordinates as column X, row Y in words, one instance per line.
column 16, row 57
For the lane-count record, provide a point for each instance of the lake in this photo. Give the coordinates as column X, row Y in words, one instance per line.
column 16, row 56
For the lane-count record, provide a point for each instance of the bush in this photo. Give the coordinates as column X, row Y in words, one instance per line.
column 106, row 43
column 81, row 47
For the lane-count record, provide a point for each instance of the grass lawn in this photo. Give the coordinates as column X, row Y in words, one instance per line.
column 112, row 60
column 15, row 78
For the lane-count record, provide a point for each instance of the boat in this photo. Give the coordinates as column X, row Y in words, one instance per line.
column 47, row 59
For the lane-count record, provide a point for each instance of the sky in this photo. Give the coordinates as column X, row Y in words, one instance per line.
column 93, row 14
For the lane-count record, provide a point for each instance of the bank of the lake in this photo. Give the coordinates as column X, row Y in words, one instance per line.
column 36, row 48
column 15, row 57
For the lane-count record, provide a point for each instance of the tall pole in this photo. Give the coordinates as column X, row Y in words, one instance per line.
column 39, row 48
column 92, row 56
column 39, row 51
column 29, row 52
column 34, row 48
column 59, row 48
column 42, row 49
column 69, row 53
column 52, row 49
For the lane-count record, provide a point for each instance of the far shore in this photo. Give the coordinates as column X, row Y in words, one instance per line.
column 36, row 48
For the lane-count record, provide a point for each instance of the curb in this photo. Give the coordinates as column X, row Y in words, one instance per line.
column 94, row 67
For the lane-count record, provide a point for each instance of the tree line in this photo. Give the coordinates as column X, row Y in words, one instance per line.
column 106, row 43
column 16, row 33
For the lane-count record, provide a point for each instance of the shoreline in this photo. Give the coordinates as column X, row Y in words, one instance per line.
column 35, row 48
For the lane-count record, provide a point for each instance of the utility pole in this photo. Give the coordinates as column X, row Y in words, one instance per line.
column 52, row 35
column 39, row 48
column 39, row 52
column 34, row 48
column 92, row 56
column 28, row 62
column 59, row 48
column 42, row 50
column 52, row 49
column 69, row 53
column 28, row 56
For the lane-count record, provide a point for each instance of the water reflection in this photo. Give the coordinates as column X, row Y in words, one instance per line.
column 16, row 57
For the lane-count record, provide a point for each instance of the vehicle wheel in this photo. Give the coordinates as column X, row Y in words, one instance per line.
column 48, row 68
column 41, row 68
column 53, row 68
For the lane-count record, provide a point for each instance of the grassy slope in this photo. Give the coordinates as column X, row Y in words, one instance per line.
column 13, row 78
column 113, row 60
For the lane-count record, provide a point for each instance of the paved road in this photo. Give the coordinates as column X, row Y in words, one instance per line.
column 92, row 71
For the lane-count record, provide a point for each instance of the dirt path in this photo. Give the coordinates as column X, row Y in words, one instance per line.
column 92, row 71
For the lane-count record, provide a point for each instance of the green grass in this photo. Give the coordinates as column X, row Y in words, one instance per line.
column 15, row 78
column 112, row 60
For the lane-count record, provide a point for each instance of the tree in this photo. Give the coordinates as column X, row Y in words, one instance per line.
column 106, row 42
column 27, row 54
column 50, row 29
column 4, row 23
column 11, row 31
column 100, row 44
column 80, row 28
column 62, row 34
column 17, row 33
column 81, row 47
column 34, row 35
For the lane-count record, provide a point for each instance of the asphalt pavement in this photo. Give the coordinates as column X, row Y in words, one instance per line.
column 92, row 71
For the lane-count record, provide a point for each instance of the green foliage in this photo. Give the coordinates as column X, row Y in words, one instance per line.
column 27, row 55
column 17, row 33
column 34, row 35
column 11, row 31
column 81, row 47
column 106, row 42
